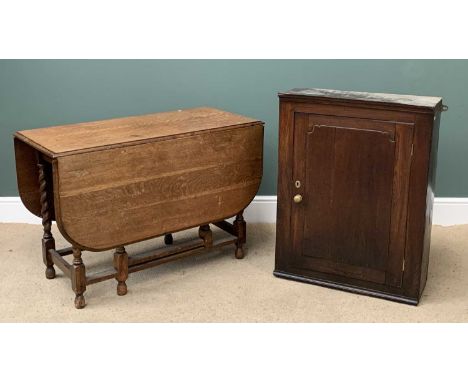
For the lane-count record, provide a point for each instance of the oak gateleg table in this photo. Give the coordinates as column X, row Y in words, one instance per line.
column 111, row 183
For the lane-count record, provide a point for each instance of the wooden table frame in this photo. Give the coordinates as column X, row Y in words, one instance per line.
column 123, row 264
column 111, row 183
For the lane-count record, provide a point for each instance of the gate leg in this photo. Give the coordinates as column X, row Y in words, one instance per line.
column 168, row 239
column 78, row 278
column 121, row 266
column 48, row 241
column 241, row 232
column 205, row 233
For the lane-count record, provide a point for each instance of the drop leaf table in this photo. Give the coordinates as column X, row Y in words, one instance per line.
column 111, row 183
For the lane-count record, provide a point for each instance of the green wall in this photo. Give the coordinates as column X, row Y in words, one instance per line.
column 37, row 93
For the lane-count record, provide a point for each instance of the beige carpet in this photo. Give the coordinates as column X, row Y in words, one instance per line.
column 216, row 287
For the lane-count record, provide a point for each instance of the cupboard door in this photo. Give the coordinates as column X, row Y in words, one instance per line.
column 353, row 176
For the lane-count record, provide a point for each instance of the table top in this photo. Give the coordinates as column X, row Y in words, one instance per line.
column 62, row 140
column 399, row 99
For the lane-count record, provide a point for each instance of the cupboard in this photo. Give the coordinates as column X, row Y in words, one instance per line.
column 356, row 189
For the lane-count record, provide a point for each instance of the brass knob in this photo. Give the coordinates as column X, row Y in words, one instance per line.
column 297, row 198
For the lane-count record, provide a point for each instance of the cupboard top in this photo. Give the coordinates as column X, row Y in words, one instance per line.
column 384, row 98
column 88, row 136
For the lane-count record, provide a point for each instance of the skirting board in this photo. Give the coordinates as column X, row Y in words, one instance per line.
column 447, row 211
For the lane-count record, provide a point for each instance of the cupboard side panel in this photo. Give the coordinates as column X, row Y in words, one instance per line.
column 430, row 202
column 417, row 203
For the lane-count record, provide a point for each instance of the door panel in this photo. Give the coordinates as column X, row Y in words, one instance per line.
column 353, row 178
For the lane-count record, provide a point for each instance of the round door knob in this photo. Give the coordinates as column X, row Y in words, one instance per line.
column 297, row 198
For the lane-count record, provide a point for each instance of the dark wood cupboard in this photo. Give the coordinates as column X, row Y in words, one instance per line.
column 355, row 190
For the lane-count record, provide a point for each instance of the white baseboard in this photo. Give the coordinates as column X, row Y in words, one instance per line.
column 12, row 210
column 261, row 210
column 447, row 211
column 450, row 211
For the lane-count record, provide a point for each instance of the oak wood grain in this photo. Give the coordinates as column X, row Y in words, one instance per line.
column 399, row 217
column 59, row 140
column 376, row 101
column 345, row 168
column 26, row 176
column 385, row 195
column 116, row 182
column 157, row 187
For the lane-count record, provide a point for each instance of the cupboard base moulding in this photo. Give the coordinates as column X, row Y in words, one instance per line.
column 346, row 287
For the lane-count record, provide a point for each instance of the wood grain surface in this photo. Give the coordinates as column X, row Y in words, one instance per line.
column 346, row 170
column 26, row 176
column 116, row 182
column 366, row 168
column 353, row 96
column 60, row 140
column 122, row 195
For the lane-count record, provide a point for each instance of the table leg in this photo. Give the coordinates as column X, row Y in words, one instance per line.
column 78, row 278
column 168, row 239
column 205, row 233
column 48, row 241
column 241, row 231
column 121, row 266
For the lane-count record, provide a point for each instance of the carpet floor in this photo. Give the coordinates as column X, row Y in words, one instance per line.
column 215, row 287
